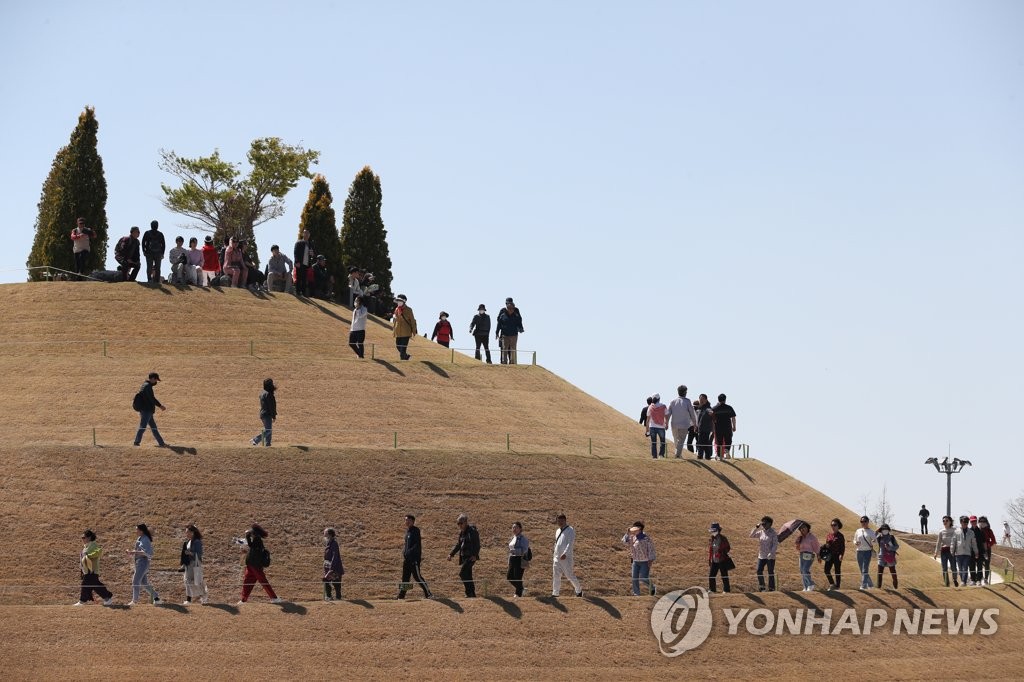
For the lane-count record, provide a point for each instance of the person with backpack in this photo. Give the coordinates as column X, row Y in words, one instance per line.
column 126, row 254
column 657, row 424
column 142, row 552
column 480, row 328
column 153, row 246
column 268, row 413
column 257, row 559
column 443, row 330
column 468, row 549
column 89, row 560
column 642, row 554
column 412, row 553
column 333, row 568
column 519, row 557
column 145, row 403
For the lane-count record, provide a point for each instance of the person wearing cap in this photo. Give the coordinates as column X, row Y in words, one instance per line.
column 305, row 258
column 657, row 423
column 864, row 541
column 443, row 330
column 641, row 551
column 412, row 554
column 255, row 555
column 563, row 559
column 509, row 327
column 964, row 547
column 888, row 548
column 976, row 561
column 943, row 551
column 279, row 270
column 719, row 560
column 153, row 247
column 357, row 329
column 234, row 263
column 323, row 280
column 683, row 419
column 832, row 554
column 480, row 328
column 89, row 560
column 211, row 261
column 467, row 547
column 145, row 404
column 268, row 413
column 404, row 326
column 767, row 547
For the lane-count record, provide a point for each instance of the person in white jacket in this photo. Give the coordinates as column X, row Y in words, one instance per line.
column 565, row 539
column 683, row 419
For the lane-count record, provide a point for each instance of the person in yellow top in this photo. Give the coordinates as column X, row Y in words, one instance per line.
column 404, row 326
column 90, row 563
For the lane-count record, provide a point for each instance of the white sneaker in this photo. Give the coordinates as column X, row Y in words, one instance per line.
column 240, row 603
column 277, row 600
column 157, row 601
column 131, row 603
column 204, row 600
column 108, row 602
column 79, row 603
column 186, row 603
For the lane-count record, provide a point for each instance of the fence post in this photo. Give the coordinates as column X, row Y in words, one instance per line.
column 453, row 356
column 104, row 348
column 508, row 443
column 251, row 353
column 590, row 445
column 396, row 440
column 373, row 347
column 94, row 436
column 534, row 358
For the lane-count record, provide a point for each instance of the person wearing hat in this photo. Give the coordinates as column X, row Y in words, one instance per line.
column 211, row 261
column 480, row 328
column 404, row 326
column 305, row 258
column 657, row 423
column 976, row 561
column 964, row 547
column 323, row 280
column 89, row 560
column 767, row 546
column 443, row 330
column 145, row 403
column 887, row 550
column 641, row 551
column 510, row 326
column 864, row 540
column 468, row 549
column 719, row 560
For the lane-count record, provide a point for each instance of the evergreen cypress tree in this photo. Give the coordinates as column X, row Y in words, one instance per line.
column 318, row 217
column 364, row 240
column 74, row 188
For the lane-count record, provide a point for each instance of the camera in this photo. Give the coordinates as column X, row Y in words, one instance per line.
column 238, row 542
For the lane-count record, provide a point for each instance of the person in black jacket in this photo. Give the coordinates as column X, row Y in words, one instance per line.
column 480, row 328
column 268, row 413
column 255, row 562
column 305, row 258
column 468, row 549
column 412, row 552
column 153, row 247
column 126, row 254
column 510, row 326
column 145, row 404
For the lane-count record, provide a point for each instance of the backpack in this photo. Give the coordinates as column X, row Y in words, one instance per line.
column 265, row 558
column 138, row 402
column 121, row 249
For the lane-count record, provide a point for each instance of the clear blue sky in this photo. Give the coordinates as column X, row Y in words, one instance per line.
column 815, row 208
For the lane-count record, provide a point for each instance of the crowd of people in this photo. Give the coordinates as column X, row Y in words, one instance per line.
column 710, row 426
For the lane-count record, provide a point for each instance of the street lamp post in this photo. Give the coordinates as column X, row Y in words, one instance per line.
column 949, row 468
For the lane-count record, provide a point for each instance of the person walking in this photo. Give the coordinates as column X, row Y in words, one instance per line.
column 642, row 555
column 480, row 328
column 404, row 326
column 357, row 330
column 443, row 330
column 767, row 547
column 944, row 551
column 89, row 561
column 864, row 542
column 985, row 550
column 719, row 560
column 724, row 426
column 509, row 327
column 965, row 548
column 192, row 562
column 80, row 246
column 467, row 547
column 268, row 413
column 305, row 257
column 683, row 419
column 832, row 554
column 142, row 552
column 211, row 262
column 644, row 419
column 153, row 247
column 333, row 568
column 256, row 560
column 924, row 513
column 807, row 546
column 979, row 540
column 145, row 403
column 887, row 551
column 519, row 556
column 705, row 427
column 1007, row 535
column 657, row 423
column 412, row 552
column 564, row 558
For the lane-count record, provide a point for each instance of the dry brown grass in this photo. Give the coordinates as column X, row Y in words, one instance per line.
column 327, row 470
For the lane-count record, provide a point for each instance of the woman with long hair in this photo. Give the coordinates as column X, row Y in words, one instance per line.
column 143, row 554
column 192, row 560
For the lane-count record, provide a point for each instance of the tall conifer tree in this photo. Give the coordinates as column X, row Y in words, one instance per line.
column 318, row 217
column 364, row 240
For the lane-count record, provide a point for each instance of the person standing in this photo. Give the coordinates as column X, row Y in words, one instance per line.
column 691, row 435
column 705, row 427
column 255, row 563
column 519, row 555
column 89, row 560
column 333, row 568
column 192, row 561
column 443, row 330
column 510, row 326
column 404, row 327
column 467, row 547
column 807, row 546
column 887, row 551
column 142, row 552
column 145, row 404
column 1007, row 535
column 412, row 552
column 657, row 423
column 279, row 270
column 724, row 426
column 305, row 257
column 683, row 419
column 719, row 560
column 268, row 413
column 834, row 549
column 80, row 247
column 355, row 278
column 767, row 547
column 979, row 540
column 642, row 555
column 211, row 261
column 924, row 513
column 564, row 559
column 126, row 254
column 965, row 548
column 985, row 550
column 944, row 551
column 153, row 247
column 864, row 541
column 480, row 328
column 357, row 330
column 644, row 419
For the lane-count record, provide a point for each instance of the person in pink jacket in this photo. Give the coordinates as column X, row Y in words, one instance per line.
column 807, row 545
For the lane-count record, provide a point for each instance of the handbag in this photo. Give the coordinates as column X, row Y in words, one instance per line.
column 728, row 563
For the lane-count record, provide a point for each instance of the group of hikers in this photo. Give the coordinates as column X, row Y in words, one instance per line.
column 709, row 425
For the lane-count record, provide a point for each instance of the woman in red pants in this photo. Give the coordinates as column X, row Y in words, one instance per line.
column 257, row 558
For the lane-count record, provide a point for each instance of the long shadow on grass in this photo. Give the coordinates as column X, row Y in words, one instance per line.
column 870, row 593
column 391, row 368
column 805, row 602
column 1005, row 599
column 453, row 605
column 832, row 594
column 325, row 311
column 922, row 596
column 361, row 602
column 553, row 601
column 177, row 608
column 604, row 606
column 721, row 477
column 437, row 370
column 754, row 598
column 507, row 606
column 739, row 469
column 226, row 608
column 291, row 607
column 1015, row 588
column 183, row 450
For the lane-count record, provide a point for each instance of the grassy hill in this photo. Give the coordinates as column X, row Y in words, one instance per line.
column 499, row 443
